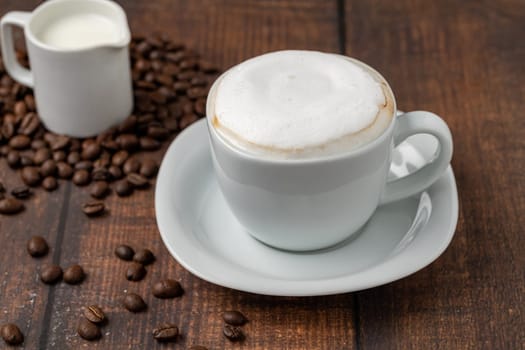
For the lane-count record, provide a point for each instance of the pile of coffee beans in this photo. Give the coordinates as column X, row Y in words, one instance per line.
column 170, row 86
column 234, row 320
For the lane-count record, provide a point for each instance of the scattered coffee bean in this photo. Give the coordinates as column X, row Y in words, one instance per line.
column 31, row 176
column 74, row 274
column 120, row 158
column 37, row 246
column 10, row 206
column 84, row 165
column 21, row 192
column 166, row 333
column 235, row 318
column 51, row 274
column 135, row 272
column 137, row 181
column 88, row 330
column 94, row 314
column 81, row 177
column 134, row 303
column 115, row 172
column 64, row 170
column 11, row 334
column 73, row 158
column 124, row 252
column 144, row 256
column 91, row 152
column 48, row 168
column 41, row 155
column 123, row 188
column 59, row 156
column 13, row 159
column 20, row 142
column 167, row 289
column 132, row 165
column 128, row 142
column 49, row 183
column 94, row 208
column 233, row 333
column 26, row 160
column 149, row 168
column 99, row 189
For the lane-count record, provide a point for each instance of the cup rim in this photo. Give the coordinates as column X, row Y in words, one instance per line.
column 28, row 32
column 311, row 160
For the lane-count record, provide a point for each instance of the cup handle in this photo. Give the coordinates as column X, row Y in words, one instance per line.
column 420, row 122
column 13, row 67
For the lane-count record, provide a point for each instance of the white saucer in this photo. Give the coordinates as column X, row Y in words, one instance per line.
column 202, row 234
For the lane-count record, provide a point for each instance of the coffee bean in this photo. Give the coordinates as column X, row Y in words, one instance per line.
column 29, row 124
column 119, row 158
column 50, row 183
column 187, row 120
column 135, row 272
column 13, row 159
column 100, row 174
column 94, row 208
column 21, row 192
column 181, row 86
column 20, row 142
column 128, row 125
column 84, row 165
column 158, row 132
column 144, row 256
column 132, row 165
column 81, row 177
column 59, row 156
column 115, row 172
column 124, row 252
column 166, row 333
column 198, row 347
column 58, row 142
column 91, row 152
column 88, row 330
column 37, row 246
column 8, row 129
column 149, row 168
column 11, row 334
column 235, row 318
column 41, row 155
column 134, row 302
column 99, row 189
column 26, row 160
column 149, row 144
column 200, row 107
column 207, row 67
column 137, row 180
column 31, row 176
column 48, row 168
column 64, row 170
column 123, row 188
column 233, row 333
column 38, row 144
column 167, row 289
column 73, row 158
column 10, row 206
column 51, row 274
column 30, row 102
column 128, row 142
column 74, row 274
column 94, row 314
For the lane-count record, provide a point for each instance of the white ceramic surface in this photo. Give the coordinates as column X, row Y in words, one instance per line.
column 78, row 92
column 200, row 231
column 312, row 203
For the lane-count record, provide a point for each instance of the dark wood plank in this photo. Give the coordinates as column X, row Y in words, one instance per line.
column 463, row 60
column 225, row 32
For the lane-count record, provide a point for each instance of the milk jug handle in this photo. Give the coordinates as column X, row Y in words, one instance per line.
column 412, row 123
column 13, row 67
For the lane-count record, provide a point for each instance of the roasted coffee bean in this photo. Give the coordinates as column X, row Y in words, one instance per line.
column 38, row 144
column 81, row 177
column 88, row 330
column 167, row 289
column 94, row 208
column 128, row 125
column 74, row 274
column 20, row 142
column 48, row 168
column 200, row 107
column 84, row 165
column 235, row 318
column 134, row 302
column 187, row 120
column 73, row 158
column 120, row 158
column 29, row 124
column 149, row 168
column 91, row 151
column 37, row 246
column 21, row 192
column 149, row 144
column 8, row 129
column 110, row 145
column 11, row 334
column 31, row 176
column 13, row 159
column 186, row 75
column 135, row 272
column 124, row 252
column 100, row 174
column 99, row 189
column 115, row 172
column 137, row 180
column 5, row 149
column 51, row 274
column 20, row 108
column 41, row 155
column 64, row 170
column 30, row 102
column 181, row 86
column 233, row 333
column 49, row 183
column 208, row 67
column 59, row 156
column 144, row 256
column 132, row 165
column 26, row 160
column 94, row 314
column 123, row 188
column 128, row 142
column 158, row 132
column 166, row 333
column 58, row 142
column 10, row 206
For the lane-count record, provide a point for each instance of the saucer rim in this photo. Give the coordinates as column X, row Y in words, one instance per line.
column 392, row 268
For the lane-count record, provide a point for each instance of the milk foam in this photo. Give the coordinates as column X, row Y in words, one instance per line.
column 79, row 31
column 300, row 104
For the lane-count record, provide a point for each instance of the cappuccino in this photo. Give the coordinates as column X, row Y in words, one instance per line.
column 300, row 104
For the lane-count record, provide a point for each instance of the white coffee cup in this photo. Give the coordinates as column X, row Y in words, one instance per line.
column 313, row 203
column 79, row 91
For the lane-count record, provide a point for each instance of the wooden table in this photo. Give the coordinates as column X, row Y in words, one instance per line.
column 464, row 60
